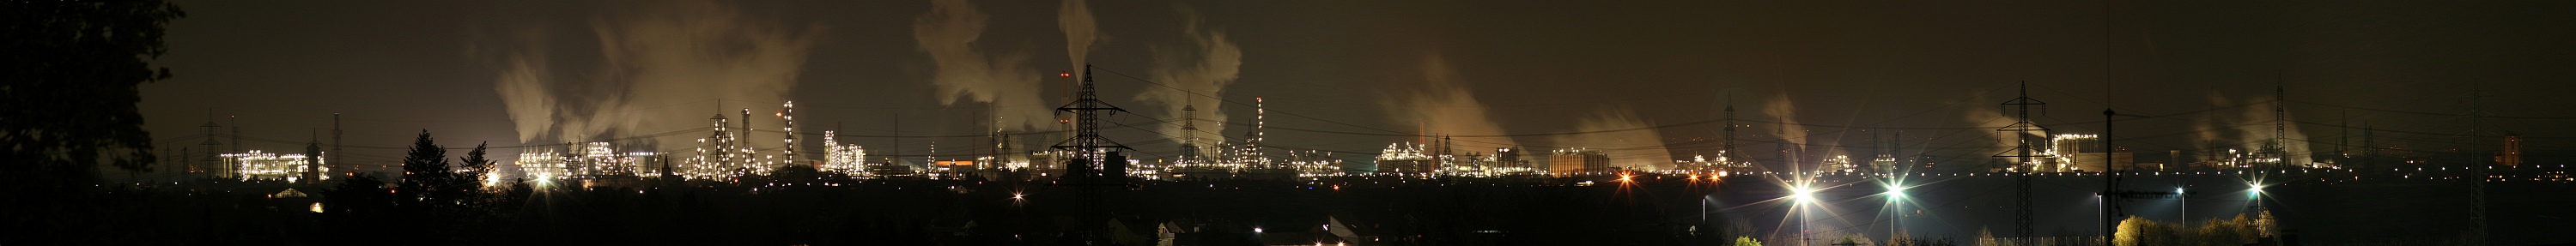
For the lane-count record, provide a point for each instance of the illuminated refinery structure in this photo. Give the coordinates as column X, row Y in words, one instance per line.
column 1405, row 158
column 1702, row 164
column 1314, row 163
column 722, row 156
column 846, row 159
column 259, row 165
column 1247, row 159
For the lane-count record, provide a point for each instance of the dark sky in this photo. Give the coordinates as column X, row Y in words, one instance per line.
column 612, row 69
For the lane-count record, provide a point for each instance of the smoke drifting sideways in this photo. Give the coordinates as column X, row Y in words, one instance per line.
column 1204, row 67
column 1630, row 141
column 1445, row 105
column 966, row 73
column 2248, row 131
column 659, row 68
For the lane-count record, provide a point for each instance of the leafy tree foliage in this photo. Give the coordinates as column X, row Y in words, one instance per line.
column 69, row 72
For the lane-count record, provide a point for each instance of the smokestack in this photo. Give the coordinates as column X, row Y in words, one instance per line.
column 313, row 159
column 335, row 153
column 745, row 139
column 232, row 169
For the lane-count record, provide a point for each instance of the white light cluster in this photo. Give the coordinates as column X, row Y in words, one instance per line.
column 847, row 159
column 542, row 166
column 258, row 165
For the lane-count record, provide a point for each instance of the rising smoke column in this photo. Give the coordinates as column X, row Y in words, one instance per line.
column 1081, row 31
column 1445, row 105
column 1205, row 66
column 658, row 66
column 1632, row 142
column 1780, row 108
column 2251, row 128
column 966, row 73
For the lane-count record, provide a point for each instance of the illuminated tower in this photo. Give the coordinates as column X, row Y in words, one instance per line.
column 788, row 117
column 715, row 153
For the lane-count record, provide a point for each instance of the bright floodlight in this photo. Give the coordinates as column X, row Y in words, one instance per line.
column 1801, row 193
column 1895, row 191
column 2256, row 191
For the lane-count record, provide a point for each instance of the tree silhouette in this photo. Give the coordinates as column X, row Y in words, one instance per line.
column 68, row 85
column 475, row 165
column 426, row 175
column 356, row 207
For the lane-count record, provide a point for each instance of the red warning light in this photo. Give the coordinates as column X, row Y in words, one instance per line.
column 1066, row 74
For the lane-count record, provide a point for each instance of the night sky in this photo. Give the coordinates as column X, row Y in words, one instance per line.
column 1346, row 74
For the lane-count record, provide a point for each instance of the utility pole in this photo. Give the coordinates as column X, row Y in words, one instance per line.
column 2280, row 127
column 235, row 170
column 2021, row 154
column 1087, row 143
column 2110, row 171
column 2478, row 186
column 1728, row 148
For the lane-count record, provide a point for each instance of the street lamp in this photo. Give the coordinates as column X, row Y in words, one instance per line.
column 2186, row 206
column 1895, row 201
column 1799, row 194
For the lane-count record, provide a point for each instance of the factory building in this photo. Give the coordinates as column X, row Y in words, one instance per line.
column 1577, row 161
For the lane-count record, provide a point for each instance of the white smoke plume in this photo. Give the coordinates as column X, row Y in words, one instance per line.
column 2252, row 128
column 1444, row 105
column 2206, row 135
column 1615, row 131
column 654, row 62
column 1081, row 31
column 1205, row 66
column 966, row 73
column 1786, row 113
column 1990, row 118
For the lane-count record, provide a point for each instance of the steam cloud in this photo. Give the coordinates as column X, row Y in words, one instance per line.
column 2252, row 130
column 1780, row 108
column 1994, row 118
column 652, row 60
column 1206, row 66
column 1081, row 31
column 1637, row 149
column 964, row 73
column 1446, row 106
